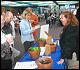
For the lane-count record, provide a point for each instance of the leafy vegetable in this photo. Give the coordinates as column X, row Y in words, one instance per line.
column 34, row 49
column 41, row 39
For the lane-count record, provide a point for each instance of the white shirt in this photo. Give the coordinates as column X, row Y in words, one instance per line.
column 13, row 28
column 3, row 38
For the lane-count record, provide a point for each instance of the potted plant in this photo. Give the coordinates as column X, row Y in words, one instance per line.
column 50, row 48
column 34, row 52
column 50, row 44
column 41, row 42
column 44, row 63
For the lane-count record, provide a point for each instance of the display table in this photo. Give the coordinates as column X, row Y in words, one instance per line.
column 54, row 55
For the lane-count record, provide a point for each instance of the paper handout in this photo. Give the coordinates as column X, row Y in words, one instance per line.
column 42, row 31
column 26, row 65
column 37, row 26
column 42, row 51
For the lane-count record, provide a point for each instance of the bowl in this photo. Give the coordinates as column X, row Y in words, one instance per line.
column 44, row 63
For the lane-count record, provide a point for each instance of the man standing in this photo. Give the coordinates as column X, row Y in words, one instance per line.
column 8, row 29
column 6, row 53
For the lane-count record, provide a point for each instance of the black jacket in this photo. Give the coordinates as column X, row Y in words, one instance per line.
column 69, row 41
column 7, row 28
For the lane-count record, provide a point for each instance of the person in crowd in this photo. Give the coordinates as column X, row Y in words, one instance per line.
column 8, row 29
column 33, row 18
column 69, row 40
column 46, row 16
column 17, row 27
column 6, row 52
column 77, row 13
column 49, row 19
column 3, row 14
column 26, row 29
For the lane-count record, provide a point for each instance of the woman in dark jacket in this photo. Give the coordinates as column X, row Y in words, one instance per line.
column 70, row 35
column 69, row 39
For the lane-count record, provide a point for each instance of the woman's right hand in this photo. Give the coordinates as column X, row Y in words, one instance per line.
column 61, row 61
column 33, row 28
column 31, row 21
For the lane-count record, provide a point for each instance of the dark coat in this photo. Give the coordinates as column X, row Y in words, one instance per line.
column 69, row 41
column 7, row 28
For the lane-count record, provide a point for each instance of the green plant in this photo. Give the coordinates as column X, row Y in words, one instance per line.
column 41, row 39
column 34, row 49
column 34, row 52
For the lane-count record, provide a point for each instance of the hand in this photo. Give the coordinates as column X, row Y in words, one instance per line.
column 61, row 61
column 37, row 26
column 49, row 40
column 47, row 50
column 33, row 28
column 31, row 21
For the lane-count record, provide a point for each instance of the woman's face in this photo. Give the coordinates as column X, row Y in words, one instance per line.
column 27, row 17
column 9, row 18
column 63, row 20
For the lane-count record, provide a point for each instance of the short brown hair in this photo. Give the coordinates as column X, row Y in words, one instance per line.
column 71, row 17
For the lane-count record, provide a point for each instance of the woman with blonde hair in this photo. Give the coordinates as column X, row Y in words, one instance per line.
column 69, row 40
column 26, row 32
column 33, row 18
